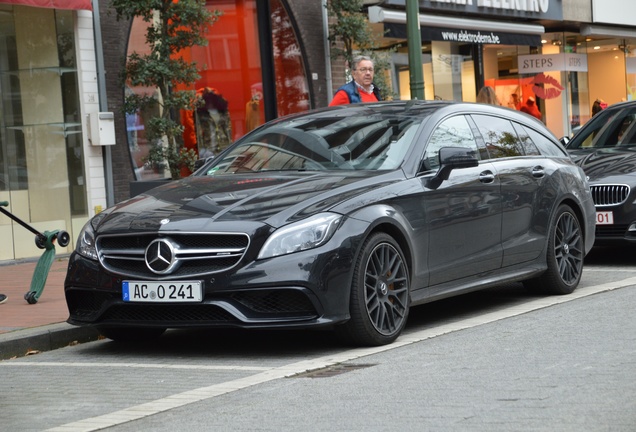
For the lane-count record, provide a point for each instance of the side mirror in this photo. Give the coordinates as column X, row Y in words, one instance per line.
column 565, row 140
column 451, row 158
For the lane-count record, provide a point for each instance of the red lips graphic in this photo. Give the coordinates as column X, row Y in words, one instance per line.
column 540, row 83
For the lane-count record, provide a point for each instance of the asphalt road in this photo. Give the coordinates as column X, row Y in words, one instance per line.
column 497, row 360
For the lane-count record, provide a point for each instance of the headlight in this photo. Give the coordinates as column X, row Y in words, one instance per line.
column 306, row 234
column 86, row 240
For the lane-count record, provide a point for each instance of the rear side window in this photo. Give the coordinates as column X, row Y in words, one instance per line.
column 528, row 144
column 546, row 146
column 451, row 132
column 499, row 136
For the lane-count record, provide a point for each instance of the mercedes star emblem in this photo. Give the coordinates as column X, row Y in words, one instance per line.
column 160, row 256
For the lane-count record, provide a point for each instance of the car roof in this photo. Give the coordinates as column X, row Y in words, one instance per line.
column 420, row 108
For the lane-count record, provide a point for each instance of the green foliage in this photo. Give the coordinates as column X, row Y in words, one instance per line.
column 351, row 30
column 172, row 28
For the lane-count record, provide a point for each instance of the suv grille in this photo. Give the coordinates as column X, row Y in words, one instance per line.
column 194, row 254
column 608, row 195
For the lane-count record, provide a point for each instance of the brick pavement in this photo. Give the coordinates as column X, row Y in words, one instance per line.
column 15, row 281
column 30, row 328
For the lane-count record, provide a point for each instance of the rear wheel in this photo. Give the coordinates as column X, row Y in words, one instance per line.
column 131, row 334
column 379, row 303
column 564, row 256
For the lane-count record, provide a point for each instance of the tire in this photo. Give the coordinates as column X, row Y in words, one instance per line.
column 565, row 254
column 63, row 238
column 380, row 294
column 31, row 297
column 131, row 334
column 40, row 241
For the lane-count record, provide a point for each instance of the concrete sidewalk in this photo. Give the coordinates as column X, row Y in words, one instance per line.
column 28, row 328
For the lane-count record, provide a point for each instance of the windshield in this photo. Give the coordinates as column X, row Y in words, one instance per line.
column 373, row 142
column 616, row 128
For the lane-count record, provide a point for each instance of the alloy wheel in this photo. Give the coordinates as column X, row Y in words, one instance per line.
column 386, row 289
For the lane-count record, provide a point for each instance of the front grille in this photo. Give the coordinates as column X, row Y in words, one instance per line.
column 175, row 314
column 284, row 302
column 196, row 254
column 609, row 195
column 611, row 231
column 86, row 305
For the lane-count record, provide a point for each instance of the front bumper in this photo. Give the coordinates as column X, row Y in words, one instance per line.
column 300, row 290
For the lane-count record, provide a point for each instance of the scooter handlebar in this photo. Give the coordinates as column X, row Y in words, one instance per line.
column 4, row 203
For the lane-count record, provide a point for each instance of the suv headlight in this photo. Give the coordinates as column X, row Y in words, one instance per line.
column 306, row 234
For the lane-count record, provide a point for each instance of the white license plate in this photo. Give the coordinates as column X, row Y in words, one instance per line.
column 605, row 218
column 162, row 292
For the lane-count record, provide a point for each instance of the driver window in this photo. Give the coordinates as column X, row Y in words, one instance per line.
column 452, row 132
column 609, row 132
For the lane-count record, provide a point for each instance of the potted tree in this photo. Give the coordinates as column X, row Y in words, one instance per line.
column 173, row 28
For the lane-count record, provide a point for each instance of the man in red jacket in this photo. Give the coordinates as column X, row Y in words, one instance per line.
column 361, row 88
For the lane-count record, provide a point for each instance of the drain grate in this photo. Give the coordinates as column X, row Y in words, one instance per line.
column 330, row 371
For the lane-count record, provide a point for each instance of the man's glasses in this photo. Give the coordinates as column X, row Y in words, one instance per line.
column 365, row 70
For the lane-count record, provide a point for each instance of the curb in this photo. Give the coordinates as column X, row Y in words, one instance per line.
column 21, row 343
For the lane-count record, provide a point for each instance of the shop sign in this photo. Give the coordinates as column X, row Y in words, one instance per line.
column 397, row 30
column 526, row 9
column 536, row 63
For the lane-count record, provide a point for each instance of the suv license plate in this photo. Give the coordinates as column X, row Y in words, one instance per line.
column 162, row 292
column 605, row 218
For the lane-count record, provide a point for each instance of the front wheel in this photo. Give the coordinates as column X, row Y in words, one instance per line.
column 564, row 256
column 379, row 301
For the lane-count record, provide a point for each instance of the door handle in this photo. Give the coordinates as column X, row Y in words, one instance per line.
column 538, row 172
column 486, row 177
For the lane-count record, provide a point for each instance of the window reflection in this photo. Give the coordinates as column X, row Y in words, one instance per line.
column 361, row 143
column 291, row 82
column 499, row 135
column 452, row 132
column 230, row 73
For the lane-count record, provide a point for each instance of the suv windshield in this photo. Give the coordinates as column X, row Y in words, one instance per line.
column 369, row 142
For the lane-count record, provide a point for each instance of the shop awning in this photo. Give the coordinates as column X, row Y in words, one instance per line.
column 437, row 27
column 53, row 4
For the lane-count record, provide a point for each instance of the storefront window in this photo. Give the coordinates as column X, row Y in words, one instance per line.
column 451, row 71
column 41, row 152
column 595, row 69
column 629, row 48
column 291, row 80
column 231, row 80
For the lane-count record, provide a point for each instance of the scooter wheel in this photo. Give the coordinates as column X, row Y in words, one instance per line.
column 30, row 297
column 63, row 238
column 39, row 242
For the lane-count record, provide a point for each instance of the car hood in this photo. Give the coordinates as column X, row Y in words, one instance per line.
column 275, row 199
column 612, row 165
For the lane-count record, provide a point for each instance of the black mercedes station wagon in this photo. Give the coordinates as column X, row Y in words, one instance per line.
column 339, row 218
